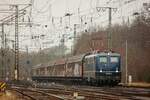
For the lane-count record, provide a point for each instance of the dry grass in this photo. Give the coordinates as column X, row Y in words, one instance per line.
column 136, row 84
column 147, row 85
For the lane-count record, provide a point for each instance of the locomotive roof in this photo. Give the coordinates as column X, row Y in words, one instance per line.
column 103, row 54
column 109, row 53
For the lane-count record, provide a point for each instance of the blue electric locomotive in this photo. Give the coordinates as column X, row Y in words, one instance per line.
column 102, row 68
column 93, row 68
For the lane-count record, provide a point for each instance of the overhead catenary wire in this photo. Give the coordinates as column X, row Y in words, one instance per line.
column 42, row 9
column 84, row 17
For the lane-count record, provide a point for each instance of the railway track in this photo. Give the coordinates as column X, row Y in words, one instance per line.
column 81, row 94
column 34, row 94
column 98, row 93
column 119, row 91
column 63, row 92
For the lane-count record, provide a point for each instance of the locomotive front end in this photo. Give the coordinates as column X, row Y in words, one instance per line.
column 108, row 68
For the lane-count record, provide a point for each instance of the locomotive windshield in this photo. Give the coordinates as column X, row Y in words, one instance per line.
column 114, row 59
column 103, row 59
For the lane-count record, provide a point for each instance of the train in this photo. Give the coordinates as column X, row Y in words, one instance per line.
column 94, row 68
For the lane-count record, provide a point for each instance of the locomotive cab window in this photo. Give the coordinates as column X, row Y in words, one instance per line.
column 114, row 59
column 103, row 59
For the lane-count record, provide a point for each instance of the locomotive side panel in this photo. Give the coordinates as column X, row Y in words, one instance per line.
column 89, row 68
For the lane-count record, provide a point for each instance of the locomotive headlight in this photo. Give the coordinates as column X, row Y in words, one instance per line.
column 116, row 70
column 100, row 70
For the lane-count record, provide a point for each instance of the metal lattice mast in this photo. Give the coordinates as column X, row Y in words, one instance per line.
column 109, row 35
column 16, row 45
column 74, row 39
column 109, row 32
column 2, row 50
column 18, row 13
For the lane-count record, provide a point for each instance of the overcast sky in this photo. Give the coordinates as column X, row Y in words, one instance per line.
column 44, row 10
